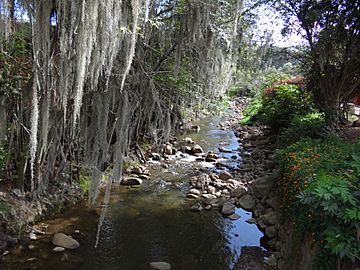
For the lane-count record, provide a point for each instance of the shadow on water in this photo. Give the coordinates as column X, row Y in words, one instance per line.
column 151, row 223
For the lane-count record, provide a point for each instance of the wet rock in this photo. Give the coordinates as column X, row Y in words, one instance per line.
column 251, row 221
column 270, row 231
column 6, row 252
column 196, row 149
column 247, row 202
column 58, row 249
column 270, row 218
column 238, row 192
column 186, row 149
column 192, row 196
column 208, row 207
column 32, row 259
column 32, row 236
column 200, row 181
column 160, row 265
column 233, row 217
column 194, row 191
column 262, row 186
column 144, row 177
column 228, row 208
column 65, row 241
column 168, row 150
column 208, row 196
column 156, row 156
column 131, row 181
column 31, row 247
column 137, row 170
column 211, row 190
column 211, row 157
column 196, row 207
column 224, row 175
column 225, row 150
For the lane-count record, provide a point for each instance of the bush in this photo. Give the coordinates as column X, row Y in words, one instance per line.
column 320, row 193
column 310, row 125
column 282, row 102
column 251, row 111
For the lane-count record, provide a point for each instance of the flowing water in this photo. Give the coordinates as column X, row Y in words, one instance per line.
column 152, row 223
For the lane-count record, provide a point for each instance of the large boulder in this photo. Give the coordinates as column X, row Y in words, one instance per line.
column 263, row 185
column 65, row 241
column 247, row 202
column 271, row 218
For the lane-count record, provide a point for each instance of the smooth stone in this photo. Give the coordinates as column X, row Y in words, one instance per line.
column 238, row 192
column 131, row 181
column 192, row 196
column 228, row 209
column 270, row 231
column 33, row 259
column 225, row 175
column 194, row 191
column 58, row 249
column 196, row 207
column 208, row 207
column 65, row 241
column 208, row 196
column 270, row 218
column 160, row 265
column 6, row 252
column 188, row 140
column 31, row 247
column 247, row 202
column 137, row 170
column 196, row 149
column 32, row 236
column 144, row 177
column 251, row 221
column 225, row 150
column 262, row 186
column 233, row 217
column 168, row 150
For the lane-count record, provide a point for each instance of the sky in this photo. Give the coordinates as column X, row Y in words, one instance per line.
column 270, row 20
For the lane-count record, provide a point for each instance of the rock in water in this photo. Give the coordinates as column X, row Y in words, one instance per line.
column 160, row 265
column 196, row 149
column 58, row 249
column 228, row 209
column 65, row 241
column 131, row 181
column 247, row 202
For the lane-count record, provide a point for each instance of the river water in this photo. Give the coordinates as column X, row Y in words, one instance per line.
column 151, row 223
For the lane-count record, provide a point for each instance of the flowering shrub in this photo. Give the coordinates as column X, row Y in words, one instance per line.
column 320, row 193
column 281, row 102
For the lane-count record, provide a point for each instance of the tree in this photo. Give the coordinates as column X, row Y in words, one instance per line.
column 332, row 30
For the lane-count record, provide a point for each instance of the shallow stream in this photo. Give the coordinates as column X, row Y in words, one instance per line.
column 152, row 222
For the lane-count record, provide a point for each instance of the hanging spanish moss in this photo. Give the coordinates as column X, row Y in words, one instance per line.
column 109, row 74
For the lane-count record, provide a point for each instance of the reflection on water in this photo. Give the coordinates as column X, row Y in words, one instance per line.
column 153, row 223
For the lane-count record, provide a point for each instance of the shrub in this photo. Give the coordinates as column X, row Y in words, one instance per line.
column 320, row 193
column 282, row 102
column 309, row 125
column 251, row 111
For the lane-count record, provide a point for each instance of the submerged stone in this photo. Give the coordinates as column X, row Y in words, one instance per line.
column 160, row 265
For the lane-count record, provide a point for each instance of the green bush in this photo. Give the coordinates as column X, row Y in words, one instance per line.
column 251, row 111
column 281, row 103
column 85, row 182
column 320, row 193
column 309, row 125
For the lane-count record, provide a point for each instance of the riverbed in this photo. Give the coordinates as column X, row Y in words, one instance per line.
column 152, row 222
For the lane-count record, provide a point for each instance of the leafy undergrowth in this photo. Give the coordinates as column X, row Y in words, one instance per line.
column 320, row 183
column 320, row 190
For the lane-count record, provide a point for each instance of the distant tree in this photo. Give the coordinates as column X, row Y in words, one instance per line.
column 331, row 28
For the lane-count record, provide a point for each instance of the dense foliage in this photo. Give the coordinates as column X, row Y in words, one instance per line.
column 320, row 192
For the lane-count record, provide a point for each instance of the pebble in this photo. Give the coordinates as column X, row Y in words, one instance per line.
column 31, row 247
